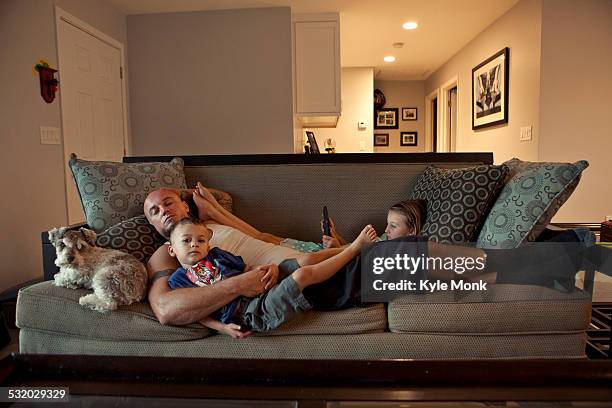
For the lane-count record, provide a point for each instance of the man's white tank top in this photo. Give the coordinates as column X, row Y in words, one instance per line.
column 253, row 251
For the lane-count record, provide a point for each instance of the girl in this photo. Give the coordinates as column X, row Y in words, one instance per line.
column 403, row 219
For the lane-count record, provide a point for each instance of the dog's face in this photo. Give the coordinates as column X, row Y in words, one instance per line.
column 70, row 245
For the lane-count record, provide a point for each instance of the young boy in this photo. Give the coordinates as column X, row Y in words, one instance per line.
column 202, row 266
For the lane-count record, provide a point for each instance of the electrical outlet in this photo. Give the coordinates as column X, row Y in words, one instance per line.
column 49, row 135
column 361, row 146
column 525, row 134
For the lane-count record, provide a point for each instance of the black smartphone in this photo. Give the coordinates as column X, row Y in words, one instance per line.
column 326, row 229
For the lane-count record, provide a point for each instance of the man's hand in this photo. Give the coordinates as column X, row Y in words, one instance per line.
column 251, row 283
column 233, row 330
column 271, row 276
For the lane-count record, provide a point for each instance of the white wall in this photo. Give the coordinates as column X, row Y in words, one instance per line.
column 357, row 90
column 216, row 82
column 403, row 94
column 33, row 176
column 576, row 90
column 518, row 29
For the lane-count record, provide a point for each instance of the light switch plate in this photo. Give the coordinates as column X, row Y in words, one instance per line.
column 49, row 135
column 525, row 133
column 361, row 125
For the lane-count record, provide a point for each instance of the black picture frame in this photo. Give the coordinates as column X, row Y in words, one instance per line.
column 386, row 118
column 409, row 138
column 410, row 113
column 490, row 86
column 312, row 141
column 381, row 139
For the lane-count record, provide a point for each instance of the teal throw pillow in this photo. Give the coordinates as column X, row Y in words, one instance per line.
column 532, row 195
column 134, row 236
column 112, row 192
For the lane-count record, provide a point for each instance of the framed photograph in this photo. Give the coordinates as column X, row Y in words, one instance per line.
column 312, row 141
column 381, row 139
column 409, row 138
column 386, row 118
column 409, row 113
column 490, row 90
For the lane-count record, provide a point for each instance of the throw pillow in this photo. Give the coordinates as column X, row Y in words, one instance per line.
column 134, row 236
column 531, row 197
column 111, row 192
column 458, row 200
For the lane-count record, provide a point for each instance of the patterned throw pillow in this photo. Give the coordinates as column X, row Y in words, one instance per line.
column 134, row 236
column 111, row 192
column 458, row 200
column 532, row 195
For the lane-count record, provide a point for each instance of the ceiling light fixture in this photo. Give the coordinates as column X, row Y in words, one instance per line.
column 410, row 25
column 389, row 58
column 398, row 45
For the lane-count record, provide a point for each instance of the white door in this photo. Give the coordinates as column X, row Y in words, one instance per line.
column 92, row 104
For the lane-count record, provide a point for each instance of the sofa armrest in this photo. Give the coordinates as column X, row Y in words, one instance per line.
column 48, row 253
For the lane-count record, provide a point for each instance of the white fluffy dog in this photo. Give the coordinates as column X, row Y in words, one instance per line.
column 116, row 278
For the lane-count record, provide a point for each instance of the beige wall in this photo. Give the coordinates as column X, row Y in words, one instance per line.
column 518, row 29
column 357, row 91
column 33, row 173
column 576, row 89
column 403, row 94
column 214, row 82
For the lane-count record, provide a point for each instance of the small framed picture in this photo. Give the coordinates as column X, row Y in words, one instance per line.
column 409, row 114
column 381, row 139
column 409, row 139
column 312, row 141
column 386, row 118
column 490, row 91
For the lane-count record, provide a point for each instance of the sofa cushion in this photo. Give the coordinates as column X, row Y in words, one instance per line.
column 532, row 195
column 458, row 200
column 46, row 307
column 500, row 309
column 134, row 236
column 111, row 192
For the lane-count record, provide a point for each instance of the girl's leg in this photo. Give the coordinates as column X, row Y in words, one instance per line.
column 311, row 274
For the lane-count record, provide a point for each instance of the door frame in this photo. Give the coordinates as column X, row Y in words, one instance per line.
column 446, row 144
column 429, row 98
column 63, row 15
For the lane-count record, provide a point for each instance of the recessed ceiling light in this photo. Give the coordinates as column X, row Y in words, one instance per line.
column 398, row 45
column 389, row 58
column 410, row 25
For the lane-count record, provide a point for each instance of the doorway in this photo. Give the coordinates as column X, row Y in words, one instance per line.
column 92, row 99
column 432, row 121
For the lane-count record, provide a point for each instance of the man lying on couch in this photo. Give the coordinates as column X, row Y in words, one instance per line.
column 165, row 207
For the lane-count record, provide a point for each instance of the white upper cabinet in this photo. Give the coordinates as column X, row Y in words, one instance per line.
column 317, row 68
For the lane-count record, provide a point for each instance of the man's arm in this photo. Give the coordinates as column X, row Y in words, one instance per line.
column 188, row 305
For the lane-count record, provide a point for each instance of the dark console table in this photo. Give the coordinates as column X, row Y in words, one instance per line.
column 309, row 383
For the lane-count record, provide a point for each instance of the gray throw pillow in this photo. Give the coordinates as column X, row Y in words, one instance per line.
column 532, row 195
column 458, row 200
column 112, row 192
column 134, row 236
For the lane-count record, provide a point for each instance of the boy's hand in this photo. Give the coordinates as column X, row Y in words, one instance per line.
column 271, row 276
column 233, row 330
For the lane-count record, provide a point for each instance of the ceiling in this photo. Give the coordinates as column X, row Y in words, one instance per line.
column 368, row 28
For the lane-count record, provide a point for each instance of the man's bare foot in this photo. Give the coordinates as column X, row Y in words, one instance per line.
column 366, row 236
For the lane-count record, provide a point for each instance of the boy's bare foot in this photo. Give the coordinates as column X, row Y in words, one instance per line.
column 366, row 236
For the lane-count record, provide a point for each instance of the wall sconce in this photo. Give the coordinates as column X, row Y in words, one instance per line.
column 48, row 83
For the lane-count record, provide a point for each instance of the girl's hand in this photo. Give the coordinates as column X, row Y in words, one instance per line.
column 334, row 234
column 330, row 242
column 206, row 210
column 205, row 193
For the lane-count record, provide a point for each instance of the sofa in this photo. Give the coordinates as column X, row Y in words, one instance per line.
column 284, row 195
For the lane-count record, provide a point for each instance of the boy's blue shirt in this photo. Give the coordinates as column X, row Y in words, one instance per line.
column 217, row 265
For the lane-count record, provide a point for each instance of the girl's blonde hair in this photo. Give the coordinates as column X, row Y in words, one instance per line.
column 414, row 211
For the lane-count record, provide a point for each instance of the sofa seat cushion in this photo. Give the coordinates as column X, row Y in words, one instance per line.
column 503, row 309
column 44, row 306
